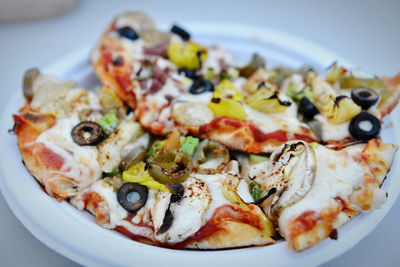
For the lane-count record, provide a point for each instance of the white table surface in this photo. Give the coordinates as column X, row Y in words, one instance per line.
column 364, row 32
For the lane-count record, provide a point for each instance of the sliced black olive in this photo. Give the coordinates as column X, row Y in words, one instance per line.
column 167, row 222
column 118, row 61
column 364, row 126
column 200, row 86
column 27, row 86
column 87, row 133
column 177, row 191
column 307, row 108
column 181, row 32
column 364, row 97
column 130, row 202
column 128, row 32
column 191, row 74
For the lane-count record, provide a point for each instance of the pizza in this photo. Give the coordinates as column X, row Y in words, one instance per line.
column 181, row 148
column 173, row 82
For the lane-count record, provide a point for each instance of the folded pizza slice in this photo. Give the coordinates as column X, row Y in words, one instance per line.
column 310, row 191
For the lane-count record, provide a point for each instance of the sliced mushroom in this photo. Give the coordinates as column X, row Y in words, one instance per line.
column 292, row 175
column 191, row 114
column 138, row 21
column 176, row 221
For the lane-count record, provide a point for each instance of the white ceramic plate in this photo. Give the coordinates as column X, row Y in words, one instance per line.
column 76, row 235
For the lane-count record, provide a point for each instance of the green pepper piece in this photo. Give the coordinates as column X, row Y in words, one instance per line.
column 171, row 167
column 254, row 159
column 108, row 123
column 207, row 150
column 112, row 173
column 255, row 191
column 155, row 148
column 189, row 144
column 134, row 156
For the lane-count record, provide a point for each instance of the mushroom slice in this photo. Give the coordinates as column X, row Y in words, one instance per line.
column 191, row 114
column 138, row 21
column 292, row 175
column 183, row 217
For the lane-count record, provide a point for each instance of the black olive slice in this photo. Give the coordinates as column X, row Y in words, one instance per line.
column 177, row 191
column 181, row 32
column 307, row 108
column 200, row 86
column 167, row 222
column 87, row 133
column 191, row 74
column 364, row 97
column 364, row 126
column 124, row 197
column 128, row 32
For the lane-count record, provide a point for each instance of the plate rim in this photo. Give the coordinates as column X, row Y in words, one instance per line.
column 241, row 30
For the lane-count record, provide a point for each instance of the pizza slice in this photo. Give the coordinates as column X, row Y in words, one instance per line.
column 309, row 191
column 174, row 83
column 165, row 201
column 345, row 106
column 57, row 132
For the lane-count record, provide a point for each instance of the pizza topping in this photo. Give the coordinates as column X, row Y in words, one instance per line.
column 256, row 62
column 291, row 175
column 227, row 108
column 181, row 32
column 191, row 74
column 210, row 157
column 184, row 217
column 27, row 86
column 200, row 86
column 189, row 57
column 364, row 97
column 189, row 144
column 267, row 100
column 255, row 159
column 226, row 101
column 145, row 70
column 191, row 113
column 170, row 167
column 137, row 174
column 154, row 37
column 341, row 109
column 132, row 196
column 255, row 191
column 128, row 135
column 128, row 32
column 87, row 133
column 108, row 123
column 307, row 108
column 135, row 156
column 364, row 126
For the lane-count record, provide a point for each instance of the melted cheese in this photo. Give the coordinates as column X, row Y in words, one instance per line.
column 80, row 164
column 215, row 187
column 330, row 131
column 272, row 122
column 337, row 175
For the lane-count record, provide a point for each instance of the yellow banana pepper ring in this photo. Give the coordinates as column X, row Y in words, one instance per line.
column 228, row 108
column 190, row 57
column 226, row 89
